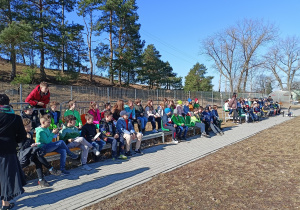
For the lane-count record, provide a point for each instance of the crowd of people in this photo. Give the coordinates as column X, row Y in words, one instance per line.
column 114, row 125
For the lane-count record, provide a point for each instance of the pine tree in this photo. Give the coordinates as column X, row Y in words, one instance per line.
column 196, row 80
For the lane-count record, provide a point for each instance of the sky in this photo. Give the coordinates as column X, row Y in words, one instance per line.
column 176, row 28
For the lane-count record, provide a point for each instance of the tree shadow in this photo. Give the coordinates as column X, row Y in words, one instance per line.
column 45, row 196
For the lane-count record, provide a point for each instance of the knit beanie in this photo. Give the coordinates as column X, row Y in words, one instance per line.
column 179, row 102
column 167, row 110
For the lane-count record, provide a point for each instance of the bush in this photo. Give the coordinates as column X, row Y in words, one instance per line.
column 26, row 78
column 64, row 80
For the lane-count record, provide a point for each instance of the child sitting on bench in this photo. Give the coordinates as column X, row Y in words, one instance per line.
column 44, row 140
column 71, row 136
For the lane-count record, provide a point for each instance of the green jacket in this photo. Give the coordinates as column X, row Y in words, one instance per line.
column 178, row 120
column 43, row 136
column 74, row 113
column 196, row 105
column 68, row 133
column 188, row 122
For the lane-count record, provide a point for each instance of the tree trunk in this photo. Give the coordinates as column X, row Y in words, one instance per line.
column 42, row 62
column 245, row 81
column 13, row 59
column 63, row 38
column 111, row 72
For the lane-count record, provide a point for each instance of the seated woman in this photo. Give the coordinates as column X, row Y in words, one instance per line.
column 152, row 116
column 95, row 112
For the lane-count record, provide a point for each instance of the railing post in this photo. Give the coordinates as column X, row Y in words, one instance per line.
column 134, row 94
column 71, row 92
column 189, row 94
column 108, row 94
column 21, row 94
column 157, row 96
column 212, row 97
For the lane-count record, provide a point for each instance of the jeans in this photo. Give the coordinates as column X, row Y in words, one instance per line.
column 171, row 128
column 114, row 145
column 180, row 130
column 201, row 126
column 61, row 148
column 98, row 144
column 144, row 121
column 84, row 145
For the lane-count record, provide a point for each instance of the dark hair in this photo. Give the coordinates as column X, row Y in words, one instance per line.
column 4, row 100
column 70, row 118
column 107, row 113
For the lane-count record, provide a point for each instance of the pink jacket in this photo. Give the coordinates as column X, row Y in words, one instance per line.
column 96, row 114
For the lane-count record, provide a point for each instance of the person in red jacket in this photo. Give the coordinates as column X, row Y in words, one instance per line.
column 39, row 97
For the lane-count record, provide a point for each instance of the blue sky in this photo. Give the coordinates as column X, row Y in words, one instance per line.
column 176, row 28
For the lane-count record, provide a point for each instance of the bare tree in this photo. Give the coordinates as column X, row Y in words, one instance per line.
column 234, row 50
column 222, row 50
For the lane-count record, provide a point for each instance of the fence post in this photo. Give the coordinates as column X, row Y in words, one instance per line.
column 157, row 96
column 71, row 92
column 189, row 94
column 202, row 98
column 212, row 97
column 21, row 94
column 175, row 95
column 134, row 94
column 108, row 94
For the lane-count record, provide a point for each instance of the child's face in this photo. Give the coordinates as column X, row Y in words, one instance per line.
column 29, row 111
column 200, row 110
column 90, row 120
column 125, row 116
column 71, row 123
column 186, row 103
column 28, row 127
column 108, row 107
column 46, row 123
column 108, row 118
column 44, row 89
column 73, row 106
column 53, row 107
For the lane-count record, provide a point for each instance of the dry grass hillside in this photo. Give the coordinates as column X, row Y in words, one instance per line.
column 81, row 80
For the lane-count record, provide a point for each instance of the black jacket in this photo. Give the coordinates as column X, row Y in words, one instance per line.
column 12, row 132
column 104, row 129
column 34, row 119
column 88, row 132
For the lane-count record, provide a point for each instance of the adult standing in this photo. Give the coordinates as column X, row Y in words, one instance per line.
column 39, row 96
column 233, row 105
column 12, row 132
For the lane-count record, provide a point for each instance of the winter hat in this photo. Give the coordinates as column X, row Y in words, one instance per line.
column 122, row 113
column 179, row 102
column 175, row 111
column 189, row 100
column 196, row 99
column 167, row 110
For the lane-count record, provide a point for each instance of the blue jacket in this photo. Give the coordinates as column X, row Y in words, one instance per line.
column 166, row 121
column 130, row 111
column 186, row 109
column 214, row 113
column 121, row 126
column 207, row 116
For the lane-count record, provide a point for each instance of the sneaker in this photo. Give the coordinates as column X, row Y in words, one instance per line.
column 65, row 172
column 159, row 130
column 55, row 172
column 155, row 131
column 174, row 141
column 123, row 157
column 73, row 156
column 96, row 152
column 139, row 152
column 43, row 183
column 205, row 135
column 11, row 205
column 86, row 167
column 128, row 154
column 222, row 132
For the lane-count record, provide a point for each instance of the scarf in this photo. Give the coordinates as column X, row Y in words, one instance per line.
column 6, row 109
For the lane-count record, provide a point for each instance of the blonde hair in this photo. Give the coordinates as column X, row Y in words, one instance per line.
column 26, row 121
column 44, row 84
column 88, row 116
column 44, row 118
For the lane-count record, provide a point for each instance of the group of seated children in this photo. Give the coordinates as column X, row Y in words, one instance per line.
column 255, row 108
column 115, row 125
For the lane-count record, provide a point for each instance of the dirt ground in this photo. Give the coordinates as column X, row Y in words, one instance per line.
column 262, row 172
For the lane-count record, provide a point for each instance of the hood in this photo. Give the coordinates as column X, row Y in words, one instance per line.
column 38, row 129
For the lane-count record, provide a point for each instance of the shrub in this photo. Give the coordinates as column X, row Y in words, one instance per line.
column 26, row 78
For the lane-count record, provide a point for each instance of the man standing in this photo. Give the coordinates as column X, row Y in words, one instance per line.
column 39, row 97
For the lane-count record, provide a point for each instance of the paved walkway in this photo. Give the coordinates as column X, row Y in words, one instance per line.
column 81, row 188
